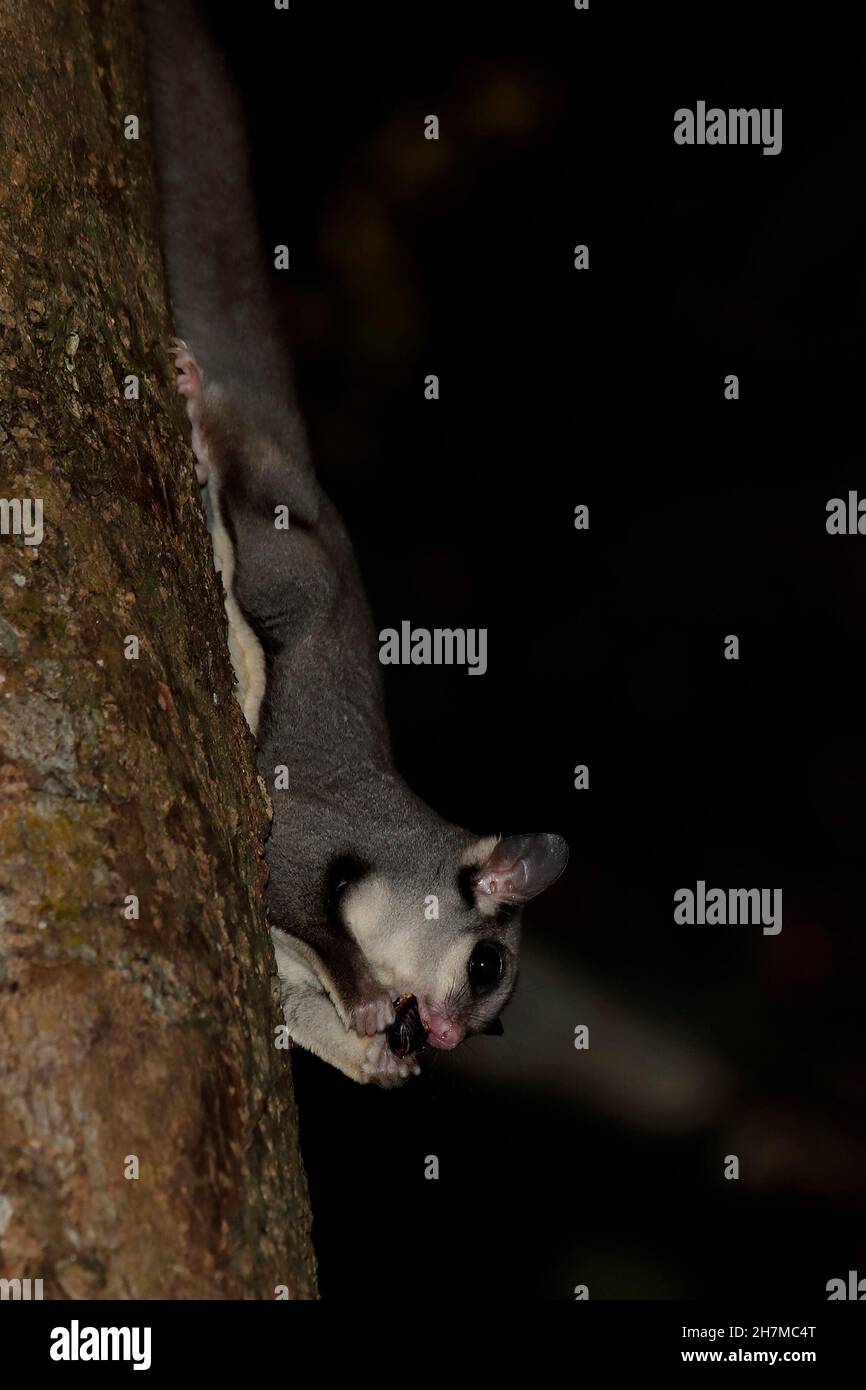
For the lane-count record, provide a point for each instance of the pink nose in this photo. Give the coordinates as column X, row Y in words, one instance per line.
column 442, row 1032
column 446, row 1039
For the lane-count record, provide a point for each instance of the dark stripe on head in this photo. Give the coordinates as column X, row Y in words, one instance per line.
column 342, row 871
column 465, row 885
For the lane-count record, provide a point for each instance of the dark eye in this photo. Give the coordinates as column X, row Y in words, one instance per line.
column 485, row 967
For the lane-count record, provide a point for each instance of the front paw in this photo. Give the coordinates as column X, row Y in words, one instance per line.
column 381, row 1066
column 373, row 1014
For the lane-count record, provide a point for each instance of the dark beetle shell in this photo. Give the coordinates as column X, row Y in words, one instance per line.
column 406, row 1034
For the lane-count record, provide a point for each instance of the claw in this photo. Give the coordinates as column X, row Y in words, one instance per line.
column 373, row 1015
column 381, row 1066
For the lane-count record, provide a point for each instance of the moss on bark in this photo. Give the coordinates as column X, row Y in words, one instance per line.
column 150, row 1037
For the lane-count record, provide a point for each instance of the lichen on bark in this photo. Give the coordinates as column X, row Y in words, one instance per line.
column 150, row 1037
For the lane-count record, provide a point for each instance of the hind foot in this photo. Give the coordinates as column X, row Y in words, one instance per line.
column 189, row 386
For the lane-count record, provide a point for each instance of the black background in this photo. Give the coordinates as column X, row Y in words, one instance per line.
column 707, row 517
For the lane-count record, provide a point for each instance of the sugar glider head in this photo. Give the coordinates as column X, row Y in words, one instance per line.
column 448, row 929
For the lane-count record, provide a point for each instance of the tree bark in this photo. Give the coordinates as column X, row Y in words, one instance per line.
column 122, row 1038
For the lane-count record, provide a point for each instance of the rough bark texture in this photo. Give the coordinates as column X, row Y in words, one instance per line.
column 151, row 1037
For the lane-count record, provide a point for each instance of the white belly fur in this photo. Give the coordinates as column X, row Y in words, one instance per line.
column 245, row 650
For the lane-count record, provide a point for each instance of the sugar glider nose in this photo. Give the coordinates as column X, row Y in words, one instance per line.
column 442, row 1031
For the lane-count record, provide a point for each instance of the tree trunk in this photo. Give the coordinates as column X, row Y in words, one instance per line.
column 123, row 1037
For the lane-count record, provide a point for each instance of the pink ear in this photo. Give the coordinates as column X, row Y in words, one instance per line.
column 521, row 866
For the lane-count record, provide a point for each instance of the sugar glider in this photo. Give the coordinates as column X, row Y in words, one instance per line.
column 357, row 862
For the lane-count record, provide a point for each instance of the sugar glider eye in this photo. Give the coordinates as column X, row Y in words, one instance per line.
column 485, row 967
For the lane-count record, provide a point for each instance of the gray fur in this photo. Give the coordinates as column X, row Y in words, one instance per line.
column 344, row 950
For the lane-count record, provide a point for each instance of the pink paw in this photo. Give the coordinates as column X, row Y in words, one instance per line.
column 190, row 387
column 381, row 1066
column 189, row 375
column 373, row 1015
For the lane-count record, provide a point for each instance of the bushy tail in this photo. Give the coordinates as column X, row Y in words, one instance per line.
column 217, row 265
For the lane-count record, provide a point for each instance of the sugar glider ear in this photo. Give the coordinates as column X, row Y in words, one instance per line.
column 494, row 1029
column 521, row 866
